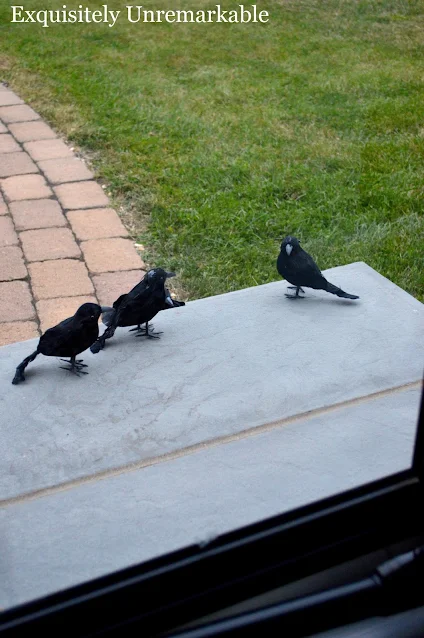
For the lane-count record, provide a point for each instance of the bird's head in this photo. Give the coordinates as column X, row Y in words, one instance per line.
column 290, row 244
column 89, row 312
column 158, row 276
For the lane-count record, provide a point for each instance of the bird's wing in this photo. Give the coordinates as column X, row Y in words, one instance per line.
column 139, row 293
column 58, row 337
column 136, row 299
column 306, row 271
column 306, row 264
column 119, row 301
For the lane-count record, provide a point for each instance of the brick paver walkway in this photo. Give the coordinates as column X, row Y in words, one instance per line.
column 60, row 242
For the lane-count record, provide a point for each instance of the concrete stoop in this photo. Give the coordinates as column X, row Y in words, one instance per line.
column 249, row 405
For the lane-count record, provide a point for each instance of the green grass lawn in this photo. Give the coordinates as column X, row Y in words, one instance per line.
column 217, row 140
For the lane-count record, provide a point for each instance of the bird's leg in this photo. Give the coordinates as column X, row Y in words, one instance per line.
column 146, row 333
column 74, row 366
column 19, row 374
column 296, row 296
column 138, row 329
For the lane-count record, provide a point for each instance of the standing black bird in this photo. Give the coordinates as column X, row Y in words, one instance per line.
column 298, row 267
column 139, row 306
column 70, row 337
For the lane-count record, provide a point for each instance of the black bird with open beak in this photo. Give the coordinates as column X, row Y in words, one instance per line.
column 70, row 337
column 138, row 307
column 298, row 267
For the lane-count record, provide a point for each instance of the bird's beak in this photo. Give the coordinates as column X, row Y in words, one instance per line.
column 289, row 248
column 170, row 274
column 104, row 309
column 169, row 301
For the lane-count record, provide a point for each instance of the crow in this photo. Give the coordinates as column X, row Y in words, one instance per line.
column 138, row 307
column 70, row 337
column 298, row 267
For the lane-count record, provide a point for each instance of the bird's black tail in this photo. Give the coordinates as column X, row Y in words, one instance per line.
column 339, row 292
column 108, row 315
column 19, row 374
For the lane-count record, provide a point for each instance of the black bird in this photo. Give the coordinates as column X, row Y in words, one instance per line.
column 298, row 267
column 70, row 337
column 138, row 307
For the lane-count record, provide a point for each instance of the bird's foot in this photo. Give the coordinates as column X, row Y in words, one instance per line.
column 295, row 296
column 74, row 366
column 150, row 335
column 76, row 363
column 138, row 329
column 74, row 370
column 298, row 288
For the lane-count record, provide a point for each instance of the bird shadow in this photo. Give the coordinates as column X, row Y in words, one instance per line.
column 318, row 300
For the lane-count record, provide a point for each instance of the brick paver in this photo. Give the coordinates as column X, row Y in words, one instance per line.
column 51, row 311
column 7, row 98
column 12, row 264
column 37, row 213
column 60, row 277
column 81, row 195
column 96, row 223
column 30, row 131
column 26, row 187
column 8, row 237
column 111, row 285
column 18, row 331
column 3, row 207
column 49, row 243
column 16, row 301
column 59, row 171
column 49, row 202
column 16, row 164
column 107, row 255
column 47, row 149
column 8, row 144
column 18, row 113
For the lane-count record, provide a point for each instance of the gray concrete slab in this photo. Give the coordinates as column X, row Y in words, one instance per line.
column 64, row 538
column 223, row 365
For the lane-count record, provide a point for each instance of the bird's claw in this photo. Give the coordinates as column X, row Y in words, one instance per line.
column 140, row 330
column 74, row 369
column 78, row 363
column 294, row 296
column 74, row 366
column 149, row 335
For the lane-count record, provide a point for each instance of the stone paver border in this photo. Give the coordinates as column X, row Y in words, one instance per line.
column 61, row 243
